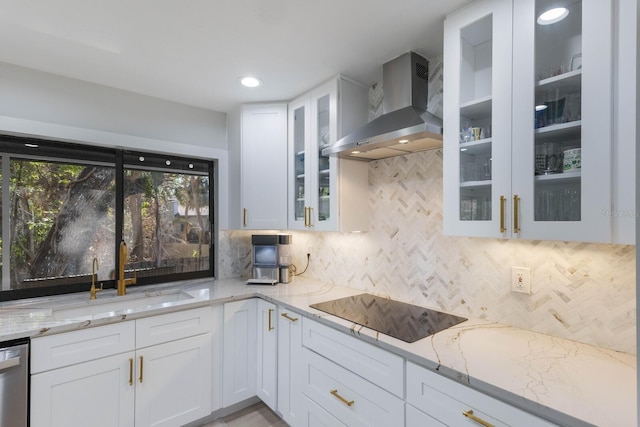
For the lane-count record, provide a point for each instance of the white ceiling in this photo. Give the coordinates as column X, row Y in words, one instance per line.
column 194, row 51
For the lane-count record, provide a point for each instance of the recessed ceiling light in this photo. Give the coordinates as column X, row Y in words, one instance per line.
column 552, row 16
column 31, row 145
column 403, row 141
column 168, row 163
column 249, row 81
column 141, row 158
column 355, row 152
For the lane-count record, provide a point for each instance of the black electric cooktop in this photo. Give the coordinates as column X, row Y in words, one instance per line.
column 406, row 322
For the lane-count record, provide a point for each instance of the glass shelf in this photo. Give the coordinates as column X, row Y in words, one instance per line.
column 476, row 184
column 555, row 178
column 482, row 146
column 477, row 108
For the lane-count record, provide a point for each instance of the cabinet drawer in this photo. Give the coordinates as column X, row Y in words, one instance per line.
column 417, row 418
column 446, row 400
column 354, row 401
column 312, row 415
column 379, row 366
column 173, row 326
column 66, row 349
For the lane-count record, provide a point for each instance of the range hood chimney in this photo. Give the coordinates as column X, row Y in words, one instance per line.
column 405, row 125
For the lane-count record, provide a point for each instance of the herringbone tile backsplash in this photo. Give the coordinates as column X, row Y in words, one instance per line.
column 580, row 291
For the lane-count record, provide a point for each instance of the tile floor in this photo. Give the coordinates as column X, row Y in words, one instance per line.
column 258, row 415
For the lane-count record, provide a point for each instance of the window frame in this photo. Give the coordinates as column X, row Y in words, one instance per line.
column 49, row 150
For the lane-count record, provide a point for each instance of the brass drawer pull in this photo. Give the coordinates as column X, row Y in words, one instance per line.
column 503, row 201
column 286, row 316
column 342, row 399
column 469, row 414
column 270, row 325
column 141, row 367
column 516, row 208
column 244, row 217
column 131, row 371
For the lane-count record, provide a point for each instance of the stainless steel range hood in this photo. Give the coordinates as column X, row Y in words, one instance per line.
column 405, row 125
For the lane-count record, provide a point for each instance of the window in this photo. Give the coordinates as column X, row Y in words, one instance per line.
column 64, row 205
column 166, row 215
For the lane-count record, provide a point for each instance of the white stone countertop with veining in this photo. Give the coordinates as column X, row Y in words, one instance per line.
column 565, row 381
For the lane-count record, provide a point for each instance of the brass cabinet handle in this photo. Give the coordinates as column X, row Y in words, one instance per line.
column 286, row 316
column 131, row 371
column 469, row 414
column 342, row 399
column 305, row 216
column 516, row 205
column 270, row 327
column 503, row 201
column 141, row 367
column 310, row 216
column 244, row 217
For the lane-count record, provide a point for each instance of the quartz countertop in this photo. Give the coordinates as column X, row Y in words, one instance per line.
column 568, row 382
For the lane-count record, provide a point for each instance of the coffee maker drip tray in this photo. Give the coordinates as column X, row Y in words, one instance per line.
column 406, row 322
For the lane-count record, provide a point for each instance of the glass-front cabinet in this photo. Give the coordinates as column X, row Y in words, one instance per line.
column 562, row 127
column 477, row 119
column 312, row 125
column 528, row 134
column 319, row 186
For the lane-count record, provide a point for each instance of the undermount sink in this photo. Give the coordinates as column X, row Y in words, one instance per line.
column 113, row 305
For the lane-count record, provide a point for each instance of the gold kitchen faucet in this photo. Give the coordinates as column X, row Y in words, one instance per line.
column 122, row 282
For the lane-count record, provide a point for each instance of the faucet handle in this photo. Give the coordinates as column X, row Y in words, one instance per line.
column 93, row 291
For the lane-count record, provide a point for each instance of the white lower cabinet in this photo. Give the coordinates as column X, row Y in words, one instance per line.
column 416, row 418
column 239, row 351
column 164, row 384
column 350, row 398
column 313, row 415
column 267, row 357
column 454, row 404
column 172, row 386
column 95, row 393
column 357, row 383
column 289, row 366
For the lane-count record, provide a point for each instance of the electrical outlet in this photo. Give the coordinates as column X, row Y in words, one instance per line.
column 521, row 280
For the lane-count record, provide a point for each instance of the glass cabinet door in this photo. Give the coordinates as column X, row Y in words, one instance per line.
column 477, row 114
column 298, row 176
column 562, row 125
column 323, row 170
column 557, row 113
column 299, row 158
column 475, row 120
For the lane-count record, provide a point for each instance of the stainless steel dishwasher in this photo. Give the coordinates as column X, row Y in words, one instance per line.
column 14, row 383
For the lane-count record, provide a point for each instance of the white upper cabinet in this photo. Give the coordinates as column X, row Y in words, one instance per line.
column 529, row 130
column 477, row 99
column 562, row 126
column 258, row 167
column 326, row 193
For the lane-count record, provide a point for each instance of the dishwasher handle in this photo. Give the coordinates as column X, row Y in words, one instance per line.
column 9, row 359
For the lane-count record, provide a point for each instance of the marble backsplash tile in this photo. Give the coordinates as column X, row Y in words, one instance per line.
column 580, row 291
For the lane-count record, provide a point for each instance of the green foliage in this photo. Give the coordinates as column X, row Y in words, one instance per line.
column 38, row 191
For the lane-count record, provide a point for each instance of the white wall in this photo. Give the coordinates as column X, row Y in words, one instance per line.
column 34, row 103
column 34, row 95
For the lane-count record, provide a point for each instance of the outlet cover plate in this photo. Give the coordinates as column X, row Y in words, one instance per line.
column 521, row 280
